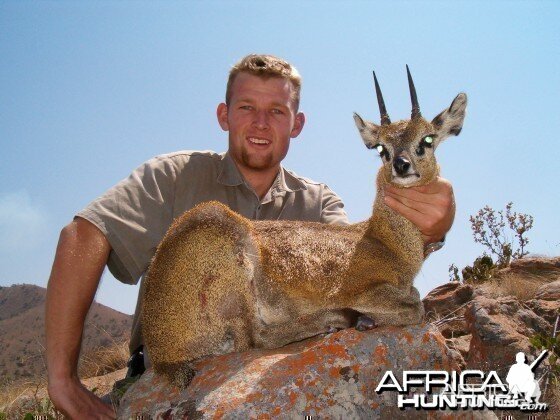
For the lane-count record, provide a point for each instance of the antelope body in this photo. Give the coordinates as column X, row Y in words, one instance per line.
column 221, row 283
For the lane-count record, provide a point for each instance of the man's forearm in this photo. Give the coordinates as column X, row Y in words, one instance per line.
column 81, row 255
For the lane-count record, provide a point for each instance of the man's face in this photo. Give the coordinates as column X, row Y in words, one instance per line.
column 261, row 120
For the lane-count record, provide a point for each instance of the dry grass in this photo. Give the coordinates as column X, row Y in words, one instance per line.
column 103, row 360
column 523, row 286
column 30, row 397
column 22, row 398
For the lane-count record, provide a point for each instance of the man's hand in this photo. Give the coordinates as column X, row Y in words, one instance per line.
column 430, row 207
column 76, row 402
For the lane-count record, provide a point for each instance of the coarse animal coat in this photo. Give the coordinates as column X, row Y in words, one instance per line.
column 220, row 283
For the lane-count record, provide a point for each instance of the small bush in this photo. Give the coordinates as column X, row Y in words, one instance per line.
column 490, row 228
column 482, row 270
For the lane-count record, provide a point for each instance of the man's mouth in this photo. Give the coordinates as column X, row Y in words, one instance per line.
column 257, row 140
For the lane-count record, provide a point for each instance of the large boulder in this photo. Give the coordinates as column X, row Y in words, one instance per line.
column 447, row 298
column 500, row 328
column 445, row 307
column 549, row 291
column 543, row 266
column 332, row 376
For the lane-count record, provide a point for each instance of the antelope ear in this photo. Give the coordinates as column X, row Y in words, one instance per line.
column 450, row 121
column 367, row 130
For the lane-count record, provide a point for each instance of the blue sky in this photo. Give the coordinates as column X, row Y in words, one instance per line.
column 89, row 90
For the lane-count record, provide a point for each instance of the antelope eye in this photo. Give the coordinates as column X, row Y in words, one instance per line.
column 428, row 141
column 381, row 150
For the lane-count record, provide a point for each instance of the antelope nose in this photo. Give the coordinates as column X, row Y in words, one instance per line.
column 401, row 165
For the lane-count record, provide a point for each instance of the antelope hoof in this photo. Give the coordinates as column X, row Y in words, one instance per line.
column 365, row 323
column 331, row 330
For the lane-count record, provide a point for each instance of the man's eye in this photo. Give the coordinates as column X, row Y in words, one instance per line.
column 277, row 111
column 246, row 107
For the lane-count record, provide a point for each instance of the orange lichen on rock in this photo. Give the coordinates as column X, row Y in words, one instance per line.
column 311, row 377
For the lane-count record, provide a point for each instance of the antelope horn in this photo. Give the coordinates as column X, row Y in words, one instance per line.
column 385, row 120
column 413, row 98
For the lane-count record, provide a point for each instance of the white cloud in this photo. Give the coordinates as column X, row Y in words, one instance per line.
column 23, row 224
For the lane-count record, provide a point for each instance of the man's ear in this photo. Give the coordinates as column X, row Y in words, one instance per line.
column 298, row 125
column 222, row 114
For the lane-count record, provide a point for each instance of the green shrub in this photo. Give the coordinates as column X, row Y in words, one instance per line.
column 504, row 234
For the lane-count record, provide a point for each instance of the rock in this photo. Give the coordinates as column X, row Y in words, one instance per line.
column 543, row 266
column 500, row 328
column 445, row 306
column 104, row 384
column 546, row 302
column 461, row 344
column 549, row 310
column 332, row 376
column 453, row 325
column 447, row 298
column 549, row 291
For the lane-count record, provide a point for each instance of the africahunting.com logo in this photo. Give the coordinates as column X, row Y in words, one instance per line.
column 474, row 389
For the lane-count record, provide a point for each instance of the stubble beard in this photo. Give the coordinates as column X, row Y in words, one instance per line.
column 256, row 162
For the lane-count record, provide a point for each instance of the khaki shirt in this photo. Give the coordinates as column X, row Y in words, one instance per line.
column 135, row 214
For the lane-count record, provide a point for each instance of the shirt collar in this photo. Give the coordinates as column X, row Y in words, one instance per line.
column 229, row 174
column 288, row 182
column 285, row 181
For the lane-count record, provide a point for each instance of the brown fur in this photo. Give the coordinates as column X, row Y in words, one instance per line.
column 221, row 283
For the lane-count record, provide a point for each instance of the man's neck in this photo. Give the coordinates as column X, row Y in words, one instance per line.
column 260, row 181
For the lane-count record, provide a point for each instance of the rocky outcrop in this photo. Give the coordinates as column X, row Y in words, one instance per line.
column 546, row 303
column 447, row 298
column 549, row 291
column 334, row 376
column 445, row 307
column 539, row 265
column 486, row 325
column 500, row 328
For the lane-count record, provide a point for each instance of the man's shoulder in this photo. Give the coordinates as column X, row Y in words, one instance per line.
column 187, row 160
column 183, row 156
column 303, row 181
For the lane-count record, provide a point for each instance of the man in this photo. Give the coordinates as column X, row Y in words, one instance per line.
column 122, row 228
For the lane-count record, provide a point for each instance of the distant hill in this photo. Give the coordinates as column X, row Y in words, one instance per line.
column 22, row 330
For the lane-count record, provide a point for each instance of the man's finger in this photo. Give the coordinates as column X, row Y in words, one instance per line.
column 408, row 212
column 410, row 200
column 423, row 209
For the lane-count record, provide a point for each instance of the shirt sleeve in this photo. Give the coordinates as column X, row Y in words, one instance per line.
column 134, row 215
column 332, row 208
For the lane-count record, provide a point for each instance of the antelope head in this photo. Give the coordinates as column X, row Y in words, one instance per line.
column 407, row 147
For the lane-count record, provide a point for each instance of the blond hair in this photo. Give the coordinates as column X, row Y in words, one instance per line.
column 266, row 66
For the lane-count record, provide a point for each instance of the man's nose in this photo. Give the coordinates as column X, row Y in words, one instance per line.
column 261, row 120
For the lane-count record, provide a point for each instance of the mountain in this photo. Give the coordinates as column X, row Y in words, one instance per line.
column 22, row 331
